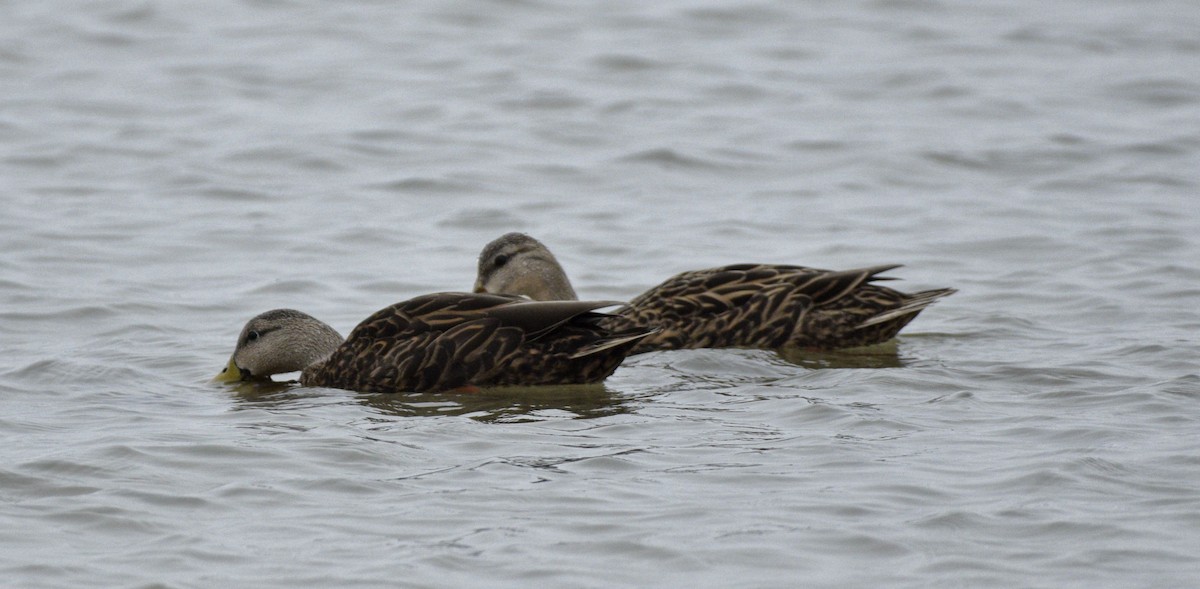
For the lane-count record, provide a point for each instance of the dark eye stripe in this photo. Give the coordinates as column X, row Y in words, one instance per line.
column 257, row 334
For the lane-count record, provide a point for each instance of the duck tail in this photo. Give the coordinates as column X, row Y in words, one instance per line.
column 912, row 305
column 614, row 341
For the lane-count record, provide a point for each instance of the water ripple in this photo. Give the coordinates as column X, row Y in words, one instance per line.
column 670, row 158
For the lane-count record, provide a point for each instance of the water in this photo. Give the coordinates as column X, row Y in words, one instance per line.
column 169, row 169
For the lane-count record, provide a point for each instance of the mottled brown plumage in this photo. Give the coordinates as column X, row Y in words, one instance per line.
column 738, row 306
column 439, row 342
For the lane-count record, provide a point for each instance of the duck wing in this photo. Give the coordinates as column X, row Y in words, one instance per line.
column 450, row 340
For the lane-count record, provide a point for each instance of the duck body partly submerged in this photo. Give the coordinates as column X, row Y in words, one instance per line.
column 774, row 307
column 765, row 306
column 439, row 342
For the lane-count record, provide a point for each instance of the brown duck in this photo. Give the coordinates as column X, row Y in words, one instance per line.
column 739, row 306
column 439, row 342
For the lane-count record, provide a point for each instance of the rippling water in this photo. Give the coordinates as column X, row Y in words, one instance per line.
column 169, row 169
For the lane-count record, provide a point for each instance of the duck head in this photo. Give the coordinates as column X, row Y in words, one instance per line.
column 276, row 342
column 517, row 264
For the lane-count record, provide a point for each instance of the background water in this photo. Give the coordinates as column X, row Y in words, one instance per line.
column 169, row 169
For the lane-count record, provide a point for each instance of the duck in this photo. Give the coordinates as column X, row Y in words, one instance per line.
column 438, row 342
column 764, row 306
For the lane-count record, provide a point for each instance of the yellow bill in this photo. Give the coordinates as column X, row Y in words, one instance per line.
column 231, row 373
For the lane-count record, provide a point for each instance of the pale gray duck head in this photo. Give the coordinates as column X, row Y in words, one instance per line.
column 517, row 264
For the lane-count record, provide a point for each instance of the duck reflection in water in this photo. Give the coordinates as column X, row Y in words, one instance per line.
column 491, row 405
column 885, row 355
column 508, row 404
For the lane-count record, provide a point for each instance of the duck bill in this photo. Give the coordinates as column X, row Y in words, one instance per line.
column 231, row 373
column 479, row 287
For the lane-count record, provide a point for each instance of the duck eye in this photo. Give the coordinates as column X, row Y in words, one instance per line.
column 501, row 260
column 252, row 336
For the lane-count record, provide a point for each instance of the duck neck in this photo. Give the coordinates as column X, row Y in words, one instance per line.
column 319, row 342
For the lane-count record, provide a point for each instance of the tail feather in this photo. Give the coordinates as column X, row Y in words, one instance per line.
column 612, row 342
column 914, row 304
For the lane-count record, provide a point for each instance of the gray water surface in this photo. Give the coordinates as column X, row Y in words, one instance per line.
column 170, row 169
